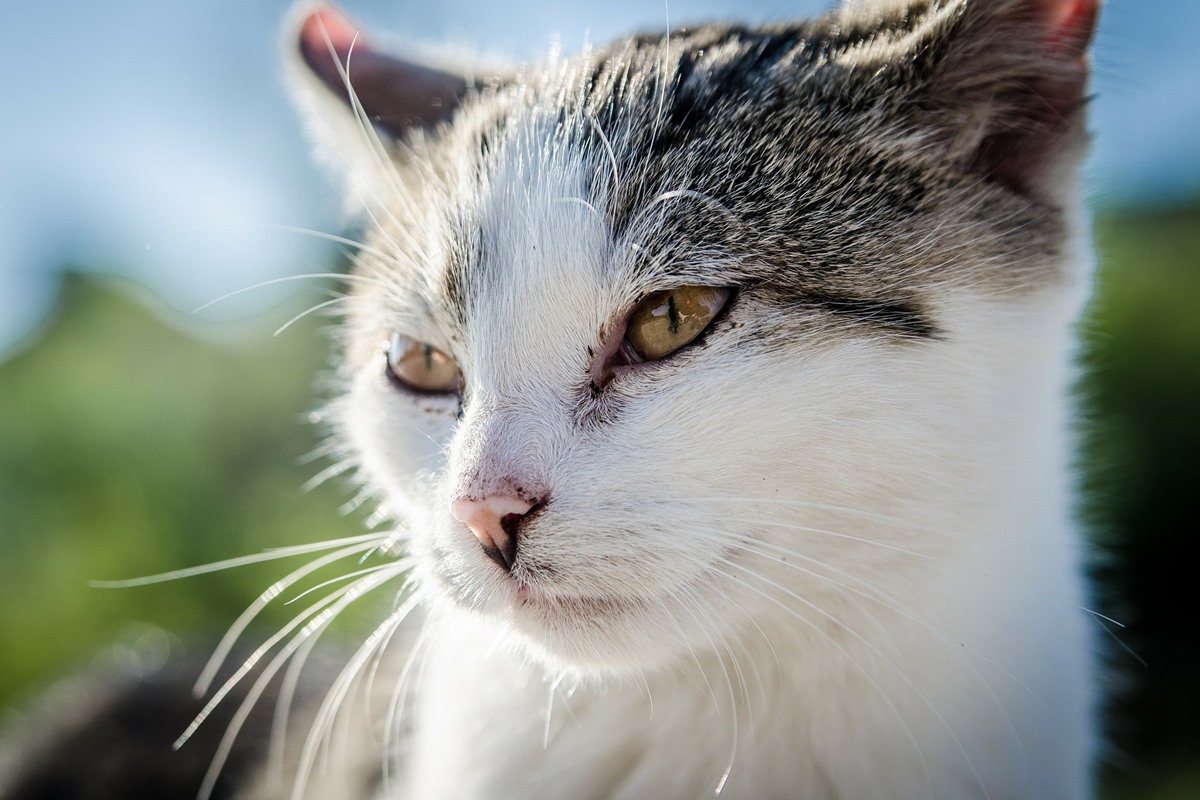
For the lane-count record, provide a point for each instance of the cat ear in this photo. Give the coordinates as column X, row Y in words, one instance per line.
column 1005, row 84
column 394, row 95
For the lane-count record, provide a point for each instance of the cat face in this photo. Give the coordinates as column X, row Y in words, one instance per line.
column 712, row 334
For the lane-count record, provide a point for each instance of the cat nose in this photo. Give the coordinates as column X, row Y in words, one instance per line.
column 494, row 521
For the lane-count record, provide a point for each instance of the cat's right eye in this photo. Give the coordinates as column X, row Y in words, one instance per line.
column 421, row 367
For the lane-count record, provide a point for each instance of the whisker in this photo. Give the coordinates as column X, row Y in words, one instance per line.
column 232, row 563
column 225, row 646
column 311, row 631
column 392, row 722
column 805, row 504
column 842, row 650
column 733, row 743
column 1100, row 619
column 683, row 637
column 370, row 136
column 270, row 226
column 836, row 534
column 283, row 705
column 314, row 611
column 886, row 601
column 337, row 693
column 349, row 277
column 347, row 577
column 1098, row 615
column 332, row 471
column 405, row 590
column 608, row 148
column 238, row 721
column 313, row 310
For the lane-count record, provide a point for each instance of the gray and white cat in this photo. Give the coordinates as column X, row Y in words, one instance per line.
column 716, row 387
column 718, row 383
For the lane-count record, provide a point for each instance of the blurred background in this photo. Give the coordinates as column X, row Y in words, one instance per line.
column 150, row 163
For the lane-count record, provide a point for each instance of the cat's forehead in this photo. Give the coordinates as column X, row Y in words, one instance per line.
column 645, row 172
column 785, row 158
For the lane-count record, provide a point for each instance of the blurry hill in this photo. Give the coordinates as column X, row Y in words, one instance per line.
column 130, row 447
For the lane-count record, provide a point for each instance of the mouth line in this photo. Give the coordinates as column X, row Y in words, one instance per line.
column 521, row 595
column 527, row 596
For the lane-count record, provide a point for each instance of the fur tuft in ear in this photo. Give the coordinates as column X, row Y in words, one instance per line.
column 1020, row 68
column 1002, row 83
column 395, row 95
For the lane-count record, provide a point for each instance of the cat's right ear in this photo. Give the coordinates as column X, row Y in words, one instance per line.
column 390, row 93
column 356, row 97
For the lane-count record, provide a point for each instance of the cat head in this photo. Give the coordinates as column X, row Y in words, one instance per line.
column 706, row 330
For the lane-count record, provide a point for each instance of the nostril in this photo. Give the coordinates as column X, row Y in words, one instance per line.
column 504, row 553
column 510, row 522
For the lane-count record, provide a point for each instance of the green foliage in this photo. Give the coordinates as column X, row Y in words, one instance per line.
column 1142, row 463
column 131, row 448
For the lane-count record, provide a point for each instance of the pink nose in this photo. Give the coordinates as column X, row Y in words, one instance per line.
column 494, row 522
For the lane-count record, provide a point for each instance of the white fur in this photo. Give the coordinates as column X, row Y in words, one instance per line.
column 849, row 567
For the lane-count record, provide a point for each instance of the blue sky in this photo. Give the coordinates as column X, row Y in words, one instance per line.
column 155, row 139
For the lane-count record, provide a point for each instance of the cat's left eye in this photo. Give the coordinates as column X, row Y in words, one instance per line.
column 669, row 320
column 421, row 367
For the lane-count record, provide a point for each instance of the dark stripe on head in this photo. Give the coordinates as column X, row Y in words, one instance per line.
column 885, row 316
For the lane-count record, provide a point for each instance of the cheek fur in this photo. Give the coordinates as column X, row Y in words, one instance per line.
column 399, row 437
column 650, row 509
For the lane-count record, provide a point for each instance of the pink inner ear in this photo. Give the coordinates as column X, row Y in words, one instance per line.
column 329, row 27
column 1071, row 25
column 394, row 95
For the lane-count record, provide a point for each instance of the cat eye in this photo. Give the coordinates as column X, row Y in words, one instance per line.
column 668, row 320
column 421, row 367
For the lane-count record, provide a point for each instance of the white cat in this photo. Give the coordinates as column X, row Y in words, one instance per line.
column 718, row 383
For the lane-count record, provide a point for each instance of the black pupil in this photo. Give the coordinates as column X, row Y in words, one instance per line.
column 672, row 315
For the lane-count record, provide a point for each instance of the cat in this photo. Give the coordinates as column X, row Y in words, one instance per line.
column 719, row 381
column 714, row 388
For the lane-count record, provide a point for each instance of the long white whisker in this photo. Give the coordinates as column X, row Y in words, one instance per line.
column 313, row 310
column 608, row 148
column 311, row 630
column 375, row 145
column 247, row 665
column 243, row 712
column 875, row 595
column 347, row 577
column 836, row 534
column 283, row 706
column 405, row 591
column 350, row 277
column 733, row 704
column 231, row 563
column 391, row 726
column 335, row 696
column 804, row 504
column 1100, row 619
column 332, row 471
column 270, row 226
column 688, row 644
column 223, row 648
column 849, row 659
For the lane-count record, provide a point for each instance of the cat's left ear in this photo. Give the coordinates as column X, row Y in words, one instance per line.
column 1006, row 85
